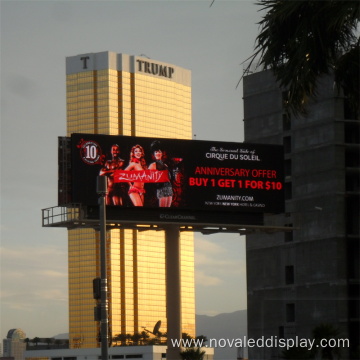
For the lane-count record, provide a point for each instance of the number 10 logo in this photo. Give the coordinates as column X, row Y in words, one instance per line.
column 90, row 152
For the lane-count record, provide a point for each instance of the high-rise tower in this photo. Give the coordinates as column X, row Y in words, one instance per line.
column 298, row 280
column 118, row 94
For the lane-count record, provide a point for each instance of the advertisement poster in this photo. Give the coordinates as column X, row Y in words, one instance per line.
column 183, row 174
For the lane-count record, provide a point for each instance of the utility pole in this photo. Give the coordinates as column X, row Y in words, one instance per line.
column 101, row 189
column 173, row 291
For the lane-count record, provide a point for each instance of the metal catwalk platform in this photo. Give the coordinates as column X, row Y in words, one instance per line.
column 74, row 216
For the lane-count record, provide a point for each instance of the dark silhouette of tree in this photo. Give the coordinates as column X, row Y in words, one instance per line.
column 302, row 40
column 48, row 342
column 27, row 341
column 136, row 338
column 128, row 339
column 356, row 354
column 320, row 332
column 116, row 339
column 35, row 341
column 186, row 336
column 202, row 338
column 328, row 332
column 298, row 353
column 58, row 343
column 152, row 341
column 122, row 338
column 192, row 354
column 144, row 338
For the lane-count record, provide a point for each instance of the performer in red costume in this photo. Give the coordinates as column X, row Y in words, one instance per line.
column 116, row 191
column 137, row 162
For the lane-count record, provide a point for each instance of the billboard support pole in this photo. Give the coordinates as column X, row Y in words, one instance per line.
column 173, row 291
column 102, row 190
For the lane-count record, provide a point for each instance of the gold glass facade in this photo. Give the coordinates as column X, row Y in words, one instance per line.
column 119, row 102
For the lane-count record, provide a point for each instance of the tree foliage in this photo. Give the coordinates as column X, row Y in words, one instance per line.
column 302, row 40
column 192, row 354
column 35, row 341
column 328, row 332
column 297, row 353
column 329, row 352
column 201, row 338
column 48, row 342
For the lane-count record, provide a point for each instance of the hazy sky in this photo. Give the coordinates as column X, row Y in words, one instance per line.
column 36, row 36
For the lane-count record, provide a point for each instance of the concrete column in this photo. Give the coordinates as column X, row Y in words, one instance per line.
column 173, row 291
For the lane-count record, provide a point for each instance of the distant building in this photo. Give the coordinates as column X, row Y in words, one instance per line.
column 157, row 352
column 300, row 279
column 14, row 345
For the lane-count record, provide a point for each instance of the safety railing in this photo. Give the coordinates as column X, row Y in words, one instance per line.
column 58, row 215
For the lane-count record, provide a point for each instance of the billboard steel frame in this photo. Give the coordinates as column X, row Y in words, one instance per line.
column 73, row 216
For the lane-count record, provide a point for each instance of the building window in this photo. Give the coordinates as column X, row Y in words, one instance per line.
column 287, row 144
column 288, row 190
column 288, row 167
column 281, row 332
column 285, row 98
column 118, row 356
column 352, row 182
column 286, row 122
column 290, row 312
column 135, row 356
column 349, row 112
column 288, row 236
column 351, row 133
column 352, row 159
column 289, row 275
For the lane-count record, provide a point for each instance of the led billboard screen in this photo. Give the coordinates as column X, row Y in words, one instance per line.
column 179, row 174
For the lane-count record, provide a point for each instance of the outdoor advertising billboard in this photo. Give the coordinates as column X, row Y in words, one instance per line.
column 186, row 175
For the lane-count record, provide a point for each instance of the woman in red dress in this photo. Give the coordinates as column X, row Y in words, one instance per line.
column 137, row 162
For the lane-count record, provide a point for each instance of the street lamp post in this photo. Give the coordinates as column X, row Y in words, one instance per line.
column 101, row 189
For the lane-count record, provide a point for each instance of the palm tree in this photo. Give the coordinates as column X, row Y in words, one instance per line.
column 27, row 341
column 201, row 338
column 128, row 339
column 48, row 341
column 117, row 338
column 328, row 332
column 144, row 338
column 187, row 338
column 136, row 338
column 122, row 338
column 302, row 40
column 58, row 343
column 35, row 340
column 192, row 354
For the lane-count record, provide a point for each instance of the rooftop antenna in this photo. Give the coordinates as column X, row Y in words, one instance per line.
column 144, row 55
